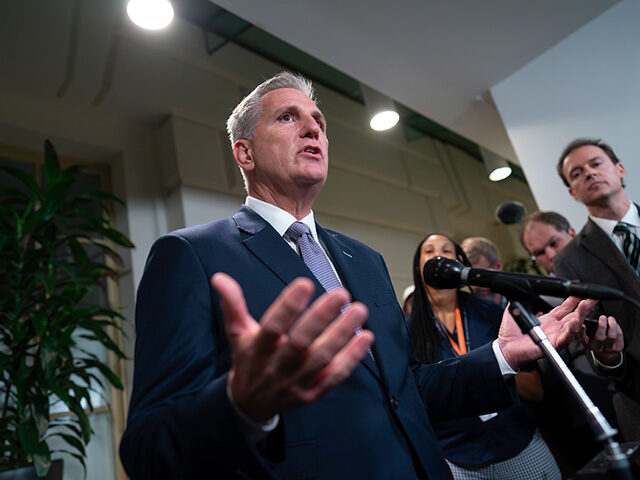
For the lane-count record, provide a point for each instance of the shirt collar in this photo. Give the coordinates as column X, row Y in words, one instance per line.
column 279, row 219
column 631, row 217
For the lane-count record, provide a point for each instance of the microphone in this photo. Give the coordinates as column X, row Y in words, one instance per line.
column 441, row 272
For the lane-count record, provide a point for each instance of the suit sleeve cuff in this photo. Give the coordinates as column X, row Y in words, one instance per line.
column 506, row 371
column 604, row 368
column 253, row 432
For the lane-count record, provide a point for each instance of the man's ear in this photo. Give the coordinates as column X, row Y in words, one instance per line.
column 243, row 154
column 572, row 232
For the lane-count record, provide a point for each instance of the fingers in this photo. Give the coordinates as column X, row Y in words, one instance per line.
column 614, row 339
column 324, row 350
column 600, row 336
column 565, row 307
column 585, row 307
column 344, row 362
column 236, row 314
column 311, row 324
column 291, row 302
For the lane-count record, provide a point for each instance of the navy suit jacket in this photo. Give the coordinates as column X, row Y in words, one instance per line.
column 373, row 425
column 593, row 257
column 471, row 441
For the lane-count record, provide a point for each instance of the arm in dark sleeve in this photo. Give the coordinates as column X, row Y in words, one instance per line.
column 468, row 385
column 181, row 424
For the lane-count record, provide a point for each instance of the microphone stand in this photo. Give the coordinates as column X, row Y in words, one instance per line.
column 617, row 462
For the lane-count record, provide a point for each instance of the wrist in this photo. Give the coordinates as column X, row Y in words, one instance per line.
column 504, row 357
column 246, row 417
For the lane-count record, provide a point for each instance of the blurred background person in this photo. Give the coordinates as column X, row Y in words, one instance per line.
column 543, row 235
column 446, row 323
column 483, row 253
column 407, row 300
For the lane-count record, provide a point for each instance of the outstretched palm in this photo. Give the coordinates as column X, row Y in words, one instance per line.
column 561, row 325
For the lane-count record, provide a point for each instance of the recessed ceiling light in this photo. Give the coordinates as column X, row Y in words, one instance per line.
column 150, row 14
column 384, row 120
column 499, row 173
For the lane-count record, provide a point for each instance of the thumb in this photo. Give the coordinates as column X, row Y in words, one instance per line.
column 238, row 321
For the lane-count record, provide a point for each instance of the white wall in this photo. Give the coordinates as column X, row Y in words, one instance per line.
column 586, row 86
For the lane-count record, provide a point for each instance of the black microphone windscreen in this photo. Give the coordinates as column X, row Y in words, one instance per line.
column 441, row 272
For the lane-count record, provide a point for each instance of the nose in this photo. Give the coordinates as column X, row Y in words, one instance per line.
column 550, row 252
column 310, row 127
column 589, row 171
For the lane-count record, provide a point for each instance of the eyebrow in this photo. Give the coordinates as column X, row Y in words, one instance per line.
column 597, row 157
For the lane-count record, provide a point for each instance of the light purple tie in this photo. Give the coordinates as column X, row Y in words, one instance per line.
column 314, row 256
column 316, row 260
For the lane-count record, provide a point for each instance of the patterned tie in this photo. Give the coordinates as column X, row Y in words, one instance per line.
column 314, row 257
column 630, row 244
column 316, row 260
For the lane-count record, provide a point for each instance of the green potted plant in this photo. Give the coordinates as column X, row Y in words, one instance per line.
column 48, row 239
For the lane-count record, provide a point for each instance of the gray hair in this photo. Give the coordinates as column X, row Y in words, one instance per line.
column 474, row 247
column 243, row 120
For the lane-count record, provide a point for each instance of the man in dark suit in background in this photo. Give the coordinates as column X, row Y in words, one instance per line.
column 305, row 392
column 565, row 429
column 606, row 251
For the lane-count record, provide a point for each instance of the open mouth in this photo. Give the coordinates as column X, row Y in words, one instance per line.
column 312, row 150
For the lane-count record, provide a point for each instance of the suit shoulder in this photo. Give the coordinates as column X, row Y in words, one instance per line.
column 196, row 239
column 206, row 230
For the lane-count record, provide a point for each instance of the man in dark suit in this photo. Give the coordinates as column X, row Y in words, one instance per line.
column 304, row 392
column 606, row 251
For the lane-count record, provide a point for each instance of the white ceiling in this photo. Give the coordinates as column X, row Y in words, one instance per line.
column 440, row 58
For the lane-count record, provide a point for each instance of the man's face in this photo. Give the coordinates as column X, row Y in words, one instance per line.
column 543, row 242
column 592, row 175
column 289, row 147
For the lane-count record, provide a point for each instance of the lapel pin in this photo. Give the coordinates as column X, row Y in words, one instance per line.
column 347, row 254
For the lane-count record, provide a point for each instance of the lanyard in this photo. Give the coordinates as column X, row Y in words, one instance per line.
column 461, row 346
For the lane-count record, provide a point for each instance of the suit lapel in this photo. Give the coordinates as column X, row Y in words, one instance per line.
column 271, row 249
column 598, row 243
column 353, row 274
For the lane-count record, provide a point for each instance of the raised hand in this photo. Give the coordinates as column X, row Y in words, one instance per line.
column 295, row 354
column 561, row 325
column 608, row 341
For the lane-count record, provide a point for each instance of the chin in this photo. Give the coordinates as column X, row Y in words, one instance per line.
column 313, row 178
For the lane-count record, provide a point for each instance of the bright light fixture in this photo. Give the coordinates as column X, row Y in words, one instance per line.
column 150, row 14
column 380, row 109
column 500, row 173
column 497, row 167
column 384, row 120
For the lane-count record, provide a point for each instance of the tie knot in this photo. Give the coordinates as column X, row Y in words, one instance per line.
column 622, row 227
column 296, row 230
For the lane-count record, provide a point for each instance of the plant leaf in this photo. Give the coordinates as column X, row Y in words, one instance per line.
column 52, row 170
column 28, row 436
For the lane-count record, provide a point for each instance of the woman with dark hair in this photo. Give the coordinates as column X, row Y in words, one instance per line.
column 446, row 323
